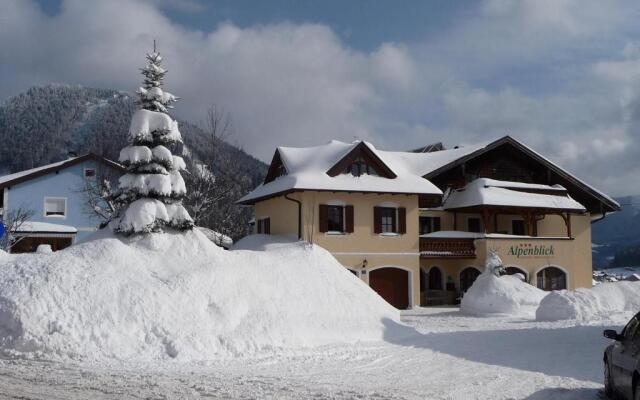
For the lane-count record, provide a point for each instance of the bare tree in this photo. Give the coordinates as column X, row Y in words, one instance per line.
column 216, row 181
column 100, row 196
column 13, row 220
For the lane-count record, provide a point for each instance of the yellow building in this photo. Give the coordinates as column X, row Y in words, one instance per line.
column 417, row 225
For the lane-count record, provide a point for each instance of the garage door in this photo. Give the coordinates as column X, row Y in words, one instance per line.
column 392, row 284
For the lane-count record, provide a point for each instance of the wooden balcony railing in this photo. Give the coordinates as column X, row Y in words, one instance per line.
column 447, row 248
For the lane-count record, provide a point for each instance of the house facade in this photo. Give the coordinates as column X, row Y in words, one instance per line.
column 417, row 226
column 54, row 196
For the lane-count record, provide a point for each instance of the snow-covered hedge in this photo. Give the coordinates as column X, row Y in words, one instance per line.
column 600, row 301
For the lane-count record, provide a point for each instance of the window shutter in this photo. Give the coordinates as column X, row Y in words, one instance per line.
column 267, row 226
column 402, row 220
column 377, row 220
column 436, row 224
column 348, row 215
column 324, row 218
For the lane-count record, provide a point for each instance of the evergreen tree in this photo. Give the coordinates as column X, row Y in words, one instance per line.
column 151, row 192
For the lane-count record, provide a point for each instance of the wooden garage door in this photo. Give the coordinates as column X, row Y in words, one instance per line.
column 392, row 284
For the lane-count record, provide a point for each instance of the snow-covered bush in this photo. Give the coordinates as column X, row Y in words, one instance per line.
column 597, row 302
column 151, row 191
column 495, row 294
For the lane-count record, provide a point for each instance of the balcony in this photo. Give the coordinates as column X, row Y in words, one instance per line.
column 461, row 245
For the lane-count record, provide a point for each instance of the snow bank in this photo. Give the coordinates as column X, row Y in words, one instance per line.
column 507, row 294
column 594, row 303
column 179, row 296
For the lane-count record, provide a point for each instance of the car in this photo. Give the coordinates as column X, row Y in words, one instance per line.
column 622, row 362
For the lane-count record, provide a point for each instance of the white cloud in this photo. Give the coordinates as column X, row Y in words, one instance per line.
column 562, row 75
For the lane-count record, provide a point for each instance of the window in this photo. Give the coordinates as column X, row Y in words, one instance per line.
column 89, row 173
column 388, row 221
column 517, row 227
column 360, row 167
column 264, row 226
column 429, row 224
column 632, row 329
column 474, row 225
column 335, row 218
column 551, row 278
column 55, row 206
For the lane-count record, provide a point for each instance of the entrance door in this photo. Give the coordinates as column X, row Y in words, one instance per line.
column 392, row 284
column 467, row 277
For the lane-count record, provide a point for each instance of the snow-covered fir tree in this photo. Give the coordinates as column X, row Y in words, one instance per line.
column 151, row 191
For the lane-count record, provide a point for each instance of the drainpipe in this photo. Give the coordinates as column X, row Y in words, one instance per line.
column 603, row 215
column 299, row 214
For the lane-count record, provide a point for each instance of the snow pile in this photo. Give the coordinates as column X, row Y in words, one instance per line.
column 597, row 302
column 507, row 294
column 179, row 296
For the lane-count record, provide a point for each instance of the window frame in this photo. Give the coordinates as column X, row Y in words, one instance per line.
column 342, row 221
column 393, row 214
column 431, row 223
column 479, row 224
column 44, row 207
column 92, row 177
column 524, row 228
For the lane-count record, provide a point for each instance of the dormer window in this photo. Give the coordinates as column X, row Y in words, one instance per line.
column 360, row 167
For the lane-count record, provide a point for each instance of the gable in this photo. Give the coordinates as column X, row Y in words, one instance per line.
column 362, row 156
column 508, row 160
column 276, row 168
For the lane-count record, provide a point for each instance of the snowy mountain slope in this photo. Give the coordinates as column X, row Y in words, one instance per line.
column 78, row 119
column 618, row 233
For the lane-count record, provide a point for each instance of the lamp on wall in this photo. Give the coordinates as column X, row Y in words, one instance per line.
column 364, row 266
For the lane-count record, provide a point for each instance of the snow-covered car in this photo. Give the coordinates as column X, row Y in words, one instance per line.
column 622, row 362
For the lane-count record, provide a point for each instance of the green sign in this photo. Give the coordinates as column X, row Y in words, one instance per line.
column 531, row 250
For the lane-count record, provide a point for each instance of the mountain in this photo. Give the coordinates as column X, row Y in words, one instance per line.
column 618, row 235
column 45, row 124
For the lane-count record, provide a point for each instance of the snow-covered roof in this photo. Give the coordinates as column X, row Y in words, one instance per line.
column 307, row 170
column 489, row 192
column 477, row 235
column 8, row 180
column 44, row 227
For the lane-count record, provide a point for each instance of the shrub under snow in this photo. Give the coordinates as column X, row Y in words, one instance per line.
column 600, row 301
column 179, row 296
column 494, row 294
column 507, row 294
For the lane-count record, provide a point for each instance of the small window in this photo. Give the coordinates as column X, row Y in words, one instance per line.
column 388, row 221
column 335, row 218
column 264, row 226
column 474, row 225
column 517, row 227
column 360, row 167
column 551, row 278
column 429, row 225
column 89, row 173
column 55, row 207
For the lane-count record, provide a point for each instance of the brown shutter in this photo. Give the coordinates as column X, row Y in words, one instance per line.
column 348, row 214
column 402, row 220
column 324, row 218
column 377, row 220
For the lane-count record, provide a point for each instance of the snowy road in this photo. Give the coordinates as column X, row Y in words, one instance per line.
column 453, row 357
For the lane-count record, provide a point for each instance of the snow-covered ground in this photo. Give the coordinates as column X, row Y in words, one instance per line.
column 452, row 356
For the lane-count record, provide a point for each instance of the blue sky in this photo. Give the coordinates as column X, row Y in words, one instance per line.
column 361, row 24
column 561, row 75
